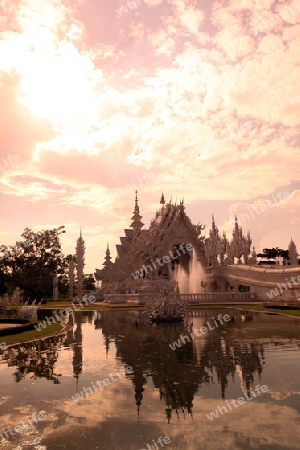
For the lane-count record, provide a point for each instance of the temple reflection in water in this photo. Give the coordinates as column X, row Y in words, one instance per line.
column 179, row 374
column 234, row 350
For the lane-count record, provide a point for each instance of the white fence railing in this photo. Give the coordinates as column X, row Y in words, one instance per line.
column 218, row 297
column 143, row 298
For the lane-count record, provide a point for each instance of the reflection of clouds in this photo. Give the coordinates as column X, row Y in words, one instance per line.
column 28, row 431
column 114, row 408
column 3, row 400
column 109, row 416
column 279, row 395
column 276, row 395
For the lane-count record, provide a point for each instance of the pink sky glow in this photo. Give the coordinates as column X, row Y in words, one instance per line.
column 196, row 99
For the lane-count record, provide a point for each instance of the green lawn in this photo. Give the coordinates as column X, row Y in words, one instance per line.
column 288, row 312
column 32, row 334
column 92, row 307
column 250, row 306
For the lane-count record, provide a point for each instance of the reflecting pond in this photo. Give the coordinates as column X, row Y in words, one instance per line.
column 114, row 381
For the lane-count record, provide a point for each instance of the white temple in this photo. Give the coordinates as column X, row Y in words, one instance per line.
column 173, row 248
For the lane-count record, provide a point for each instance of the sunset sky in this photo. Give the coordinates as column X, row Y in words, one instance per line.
column 196, row 99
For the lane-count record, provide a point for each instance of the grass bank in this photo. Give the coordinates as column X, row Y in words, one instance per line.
column 261, row 308
column 92, row 307
column 32, row 334
column 98, row 307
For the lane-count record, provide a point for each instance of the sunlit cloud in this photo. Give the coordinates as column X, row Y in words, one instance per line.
column 90, row 101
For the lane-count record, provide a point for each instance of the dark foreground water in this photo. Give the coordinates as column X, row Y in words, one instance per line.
column 70, row 392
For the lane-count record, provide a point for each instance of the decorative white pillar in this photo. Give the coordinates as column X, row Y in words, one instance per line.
column 80, row 251
column 71, row 277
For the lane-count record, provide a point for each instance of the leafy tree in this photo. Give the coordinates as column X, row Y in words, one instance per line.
column 63, row 286
column 3, row 281
column 32, row 262
column 89, row 283
column 273, row 253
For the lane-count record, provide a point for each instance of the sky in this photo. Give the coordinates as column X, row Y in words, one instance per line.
column 197, row 99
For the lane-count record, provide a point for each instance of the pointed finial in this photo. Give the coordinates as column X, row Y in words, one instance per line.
column 236, row 225
column 136, row 209
column 136, row 218
column 107, row 259
column 162, row 199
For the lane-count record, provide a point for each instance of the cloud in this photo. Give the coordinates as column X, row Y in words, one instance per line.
column 91, row 102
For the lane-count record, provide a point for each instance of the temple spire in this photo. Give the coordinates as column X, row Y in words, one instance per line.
column 107, row 260
column 213, row 225
column 236, row 225
column 162, row 199
column 136, row 223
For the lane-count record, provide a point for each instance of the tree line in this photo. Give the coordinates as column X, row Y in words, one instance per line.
column 32, row 263
column 273, row 253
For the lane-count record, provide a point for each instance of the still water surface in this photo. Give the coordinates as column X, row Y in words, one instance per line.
column 167, row 393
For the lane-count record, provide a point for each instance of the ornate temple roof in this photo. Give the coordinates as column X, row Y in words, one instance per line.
column 129, row 233
column 170, row 227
